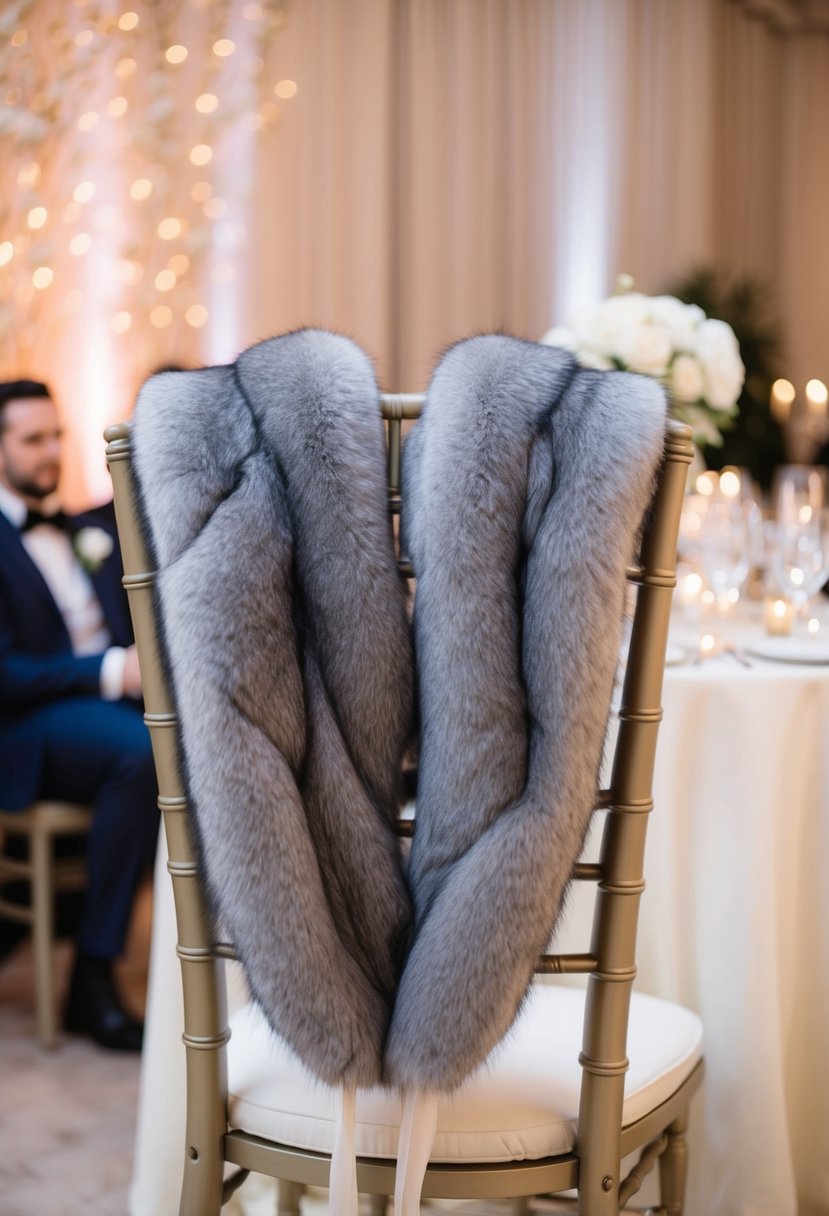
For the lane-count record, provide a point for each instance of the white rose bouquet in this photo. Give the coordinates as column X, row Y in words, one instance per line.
column 695, row 357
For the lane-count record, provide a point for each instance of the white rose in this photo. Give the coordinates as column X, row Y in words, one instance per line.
column 702, row 424
column 645, row 349
column 592, row 358
column 680, row 321
column 687, row 380
column 560, row 335
column 602, row 327
column 93, row 546
column 719, row 354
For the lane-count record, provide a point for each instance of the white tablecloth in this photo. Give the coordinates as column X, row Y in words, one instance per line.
column 734, row 924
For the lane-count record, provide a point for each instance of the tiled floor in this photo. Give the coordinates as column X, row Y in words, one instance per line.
column 67, row 1117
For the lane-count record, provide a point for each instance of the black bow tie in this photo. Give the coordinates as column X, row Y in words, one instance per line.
column 33, row 518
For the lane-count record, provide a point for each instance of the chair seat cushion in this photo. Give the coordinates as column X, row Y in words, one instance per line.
column 520, row 1104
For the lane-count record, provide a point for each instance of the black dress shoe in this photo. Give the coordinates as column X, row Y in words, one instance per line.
column 93, row 1007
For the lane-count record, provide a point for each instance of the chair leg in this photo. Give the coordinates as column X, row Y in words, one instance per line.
column 288, row 1197
column 43, row 901
column 673, row 1167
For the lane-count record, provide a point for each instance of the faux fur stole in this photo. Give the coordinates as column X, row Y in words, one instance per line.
column 285, row 634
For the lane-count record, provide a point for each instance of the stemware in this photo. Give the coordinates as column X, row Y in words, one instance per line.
column 800, row 556
column 726, row 546
column 800, row 561
column 799, row 490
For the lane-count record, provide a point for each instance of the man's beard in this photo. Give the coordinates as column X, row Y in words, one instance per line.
column 28, row 488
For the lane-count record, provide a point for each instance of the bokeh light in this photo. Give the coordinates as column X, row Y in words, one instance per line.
column 161, row 316
column 196, row 315
column 169, row 228
column 121, row 322
column 141, row 188
column 201, row 154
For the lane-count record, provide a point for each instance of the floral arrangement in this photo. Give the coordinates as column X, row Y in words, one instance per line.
column 696, row 357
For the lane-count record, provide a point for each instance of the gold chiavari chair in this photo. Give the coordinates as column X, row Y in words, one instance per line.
column 601, row 1123
column 43, row 875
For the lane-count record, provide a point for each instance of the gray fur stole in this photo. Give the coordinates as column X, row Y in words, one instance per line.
column 286, row 639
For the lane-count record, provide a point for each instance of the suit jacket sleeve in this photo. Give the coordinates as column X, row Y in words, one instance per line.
column 27, row 680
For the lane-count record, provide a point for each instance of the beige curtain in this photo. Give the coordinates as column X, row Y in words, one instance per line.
column 451, row 166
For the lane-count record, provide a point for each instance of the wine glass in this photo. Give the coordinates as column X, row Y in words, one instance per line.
column 799, row 490
column 800, row 561
column 725, row 548
column 726, row 545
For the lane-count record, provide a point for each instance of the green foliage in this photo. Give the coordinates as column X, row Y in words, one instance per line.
column 754, row 440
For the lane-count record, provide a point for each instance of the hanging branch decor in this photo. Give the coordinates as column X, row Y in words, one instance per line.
column 118, row 121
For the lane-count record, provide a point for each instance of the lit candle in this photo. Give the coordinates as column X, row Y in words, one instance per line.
column 817, row 395
column 780, row 402
column 778, row 616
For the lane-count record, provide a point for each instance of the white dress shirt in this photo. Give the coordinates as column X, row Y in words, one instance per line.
column 51, row 551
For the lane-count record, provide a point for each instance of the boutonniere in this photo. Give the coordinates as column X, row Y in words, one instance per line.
column 92, row 547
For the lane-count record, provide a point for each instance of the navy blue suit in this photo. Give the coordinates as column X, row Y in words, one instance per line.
column 60, row 739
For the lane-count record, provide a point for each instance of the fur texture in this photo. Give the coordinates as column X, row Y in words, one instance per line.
column 525, row 483
column 288, row 645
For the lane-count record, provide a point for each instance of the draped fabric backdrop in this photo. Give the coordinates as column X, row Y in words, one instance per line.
column 447, row 166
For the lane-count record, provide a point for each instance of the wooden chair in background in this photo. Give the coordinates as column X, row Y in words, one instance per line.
column 42, row 876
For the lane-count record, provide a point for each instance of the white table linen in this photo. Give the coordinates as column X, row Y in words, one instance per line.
column 734, row 924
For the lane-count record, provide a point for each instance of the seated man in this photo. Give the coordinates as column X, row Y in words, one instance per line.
column 71, row 722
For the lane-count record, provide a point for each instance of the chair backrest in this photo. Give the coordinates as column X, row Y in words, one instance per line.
column 618, row 874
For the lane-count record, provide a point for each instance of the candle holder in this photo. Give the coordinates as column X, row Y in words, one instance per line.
column 778, row 616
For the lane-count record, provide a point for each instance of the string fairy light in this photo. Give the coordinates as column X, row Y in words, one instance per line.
column 121, row 322
column 196, row 315
column 201, row 154
column 170, row 228
column 80, row 243
column 179, row 263
column 155, row 196
column 141, row 188
column 161, row 316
